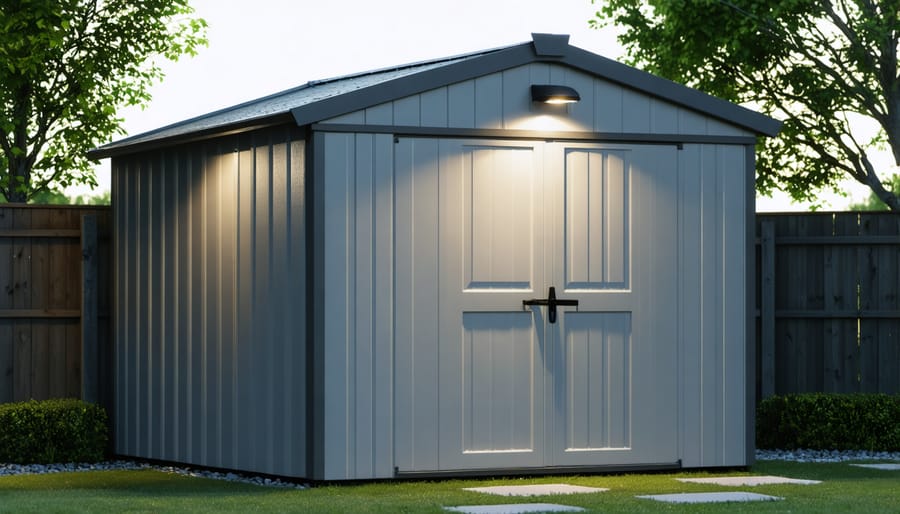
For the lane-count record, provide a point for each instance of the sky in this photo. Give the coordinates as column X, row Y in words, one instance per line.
column 261, row 47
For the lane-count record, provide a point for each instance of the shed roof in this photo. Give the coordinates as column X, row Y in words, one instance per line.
column 319, row 100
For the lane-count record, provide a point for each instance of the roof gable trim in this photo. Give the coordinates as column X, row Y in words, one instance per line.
column 413, row 84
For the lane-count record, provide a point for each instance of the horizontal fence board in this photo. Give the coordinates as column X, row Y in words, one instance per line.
column 837, row 314
column 40, row 233
column 39, row 313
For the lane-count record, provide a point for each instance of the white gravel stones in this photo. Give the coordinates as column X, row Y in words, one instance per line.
column 32, row 469
column 824, row 455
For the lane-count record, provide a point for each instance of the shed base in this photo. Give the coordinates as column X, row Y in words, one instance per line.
column 548, row 470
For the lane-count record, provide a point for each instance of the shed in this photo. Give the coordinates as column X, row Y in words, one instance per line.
column 426, row 270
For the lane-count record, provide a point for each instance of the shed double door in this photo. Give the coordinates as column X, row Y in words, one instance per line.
column 587, row 385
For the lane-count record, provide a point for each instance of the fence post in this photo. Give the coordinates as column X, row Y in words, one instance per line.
column 767, row 307
column 89, row 351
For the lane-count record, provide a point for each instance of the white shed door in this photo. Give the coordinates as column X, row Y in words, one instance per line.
column 521, row 386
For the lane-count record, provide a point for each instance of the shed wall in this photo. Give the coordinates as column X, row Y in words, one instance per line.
column 503, row 101
column 380, row 246
column 712, row 307
column 210, row 293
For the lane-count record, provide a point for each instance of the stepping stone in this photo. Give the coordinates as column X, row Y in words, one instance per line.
column 748, row 481
column 711, row 497
column 515, row 508
column 886, row 467
column 535, row 490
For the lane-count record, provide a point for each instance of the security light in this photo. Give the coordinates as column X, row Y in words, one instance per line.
column 554, row 94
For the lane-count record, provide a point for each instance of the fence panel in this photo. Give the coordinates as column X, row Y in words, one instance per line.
column 829, row 311
column 40, row 300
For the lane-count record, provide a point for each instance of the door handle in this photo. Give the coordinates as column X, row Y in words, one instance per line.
column 551, row 302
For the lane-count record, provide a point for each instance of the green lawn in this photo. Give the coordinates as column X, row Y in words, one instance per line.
column 845, row 489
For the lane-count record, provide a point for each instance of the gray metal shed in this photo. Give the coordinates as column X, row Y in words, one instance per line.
column 336, row 281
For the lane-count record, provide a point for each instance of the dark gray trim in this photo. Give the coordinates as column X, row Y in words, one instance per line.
column 750, row 264
column 316, row 226
column 550, row 45
column 547, row 470
column 414, row 84
column 671, row 92
column 401, row 131
column 124, row 147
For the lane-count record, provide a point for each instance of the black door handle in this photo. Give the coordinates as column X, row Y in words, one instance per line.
column 551, row 302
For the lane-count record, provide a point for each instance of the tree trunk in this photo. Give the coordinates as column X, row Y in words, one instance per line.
column 885, row 195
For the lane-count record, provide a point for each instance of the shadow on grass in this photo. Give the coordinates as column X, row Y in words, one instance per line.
column 141, row 482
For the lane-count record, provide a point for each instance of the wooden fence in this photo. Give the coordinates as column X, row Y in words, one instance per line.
column 54, row 304
column 829, row 314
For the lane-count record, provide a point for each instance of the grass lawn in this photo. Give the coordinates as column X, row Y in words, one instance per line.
column 844, row 489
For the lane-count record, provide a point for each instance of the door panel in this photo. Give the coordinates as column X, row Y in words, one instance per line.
column 498, row 216
column 597, row 221
column 596, row 361
column 498, row 357
column 614, row 209
column 491, row 352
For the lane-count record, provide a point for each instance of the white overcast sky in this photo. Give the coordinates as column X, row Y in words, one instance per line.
column 260, row 47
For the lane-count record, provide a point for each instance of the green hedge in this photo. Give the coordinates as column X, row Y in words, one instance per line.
column 822, row 421
column 43, row 432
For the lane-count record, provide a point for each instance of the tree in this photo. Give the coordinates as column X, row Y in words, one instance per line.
column 823, row 66
column 873, row 203
column 66, row 66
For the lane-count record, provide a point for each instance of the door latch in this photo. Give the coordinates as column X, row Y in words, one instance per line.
column 551, row 302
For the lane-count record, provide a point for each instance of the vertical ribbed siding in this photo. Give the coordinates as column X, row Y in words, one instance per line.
column 712, row 304
column 210, row 303
column 357, row 307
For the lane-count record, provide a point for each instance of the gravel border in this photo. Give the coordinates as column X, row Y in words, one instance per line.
column 825, row 455
column 36, row 469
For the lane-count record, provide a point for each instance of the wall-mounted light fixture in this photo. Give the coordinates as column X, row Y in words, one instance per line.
column 553, row 94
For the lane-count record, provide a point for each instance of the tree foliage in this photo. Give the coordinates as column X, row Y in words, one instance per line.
column 873, row 203
column 823, row 66
column 66, row 67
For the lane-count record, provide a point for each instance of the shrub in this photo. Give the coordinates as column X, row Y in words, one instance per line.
column 827, row 421
column 43, row 432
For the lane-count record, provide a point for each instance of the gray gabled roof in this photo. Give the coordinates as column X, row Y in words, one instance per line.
column 320, row 100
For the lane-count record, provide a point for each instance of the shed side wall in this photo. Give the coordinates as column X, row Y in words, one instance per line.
column 210, row 303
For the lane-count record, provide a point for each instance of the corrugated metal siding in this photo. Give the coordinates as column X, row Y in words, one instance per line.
column 210, row 327
column 712, row 304
column 503, row 101
column 380, row 240
column 359, row 307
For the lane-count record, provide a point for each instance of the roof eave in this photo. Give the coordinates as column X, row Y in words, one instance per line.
column 127, row 147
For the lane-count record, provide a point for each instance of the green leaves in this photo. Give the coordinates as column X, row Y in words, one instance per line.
column 65, row 430
column 828, row 421
column 70, row 65
column 807, row 62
